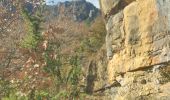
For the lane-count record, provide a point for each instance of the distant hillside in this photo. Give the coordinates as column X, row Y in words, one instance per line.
column 77, row 10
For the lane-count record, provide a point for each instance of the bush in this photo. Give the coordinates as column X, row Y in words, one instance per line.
column 33, row 30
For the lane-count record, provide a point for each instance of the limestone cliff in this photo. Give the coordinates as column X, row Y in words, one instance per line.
column 138, row 48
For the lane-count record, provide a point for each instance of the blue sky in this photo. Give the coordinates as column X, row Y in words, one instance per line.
column 95, row 2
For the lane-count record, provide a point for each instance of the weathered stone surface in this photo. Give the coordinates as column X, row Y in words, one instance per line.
column 133, row 89
column 114, row 35
column 138, row 48
column 110, row 7
column 148, row 84
column 139, row 37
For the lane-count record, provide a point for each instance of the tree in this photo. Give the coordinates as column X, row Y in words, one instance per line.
column 11, row 34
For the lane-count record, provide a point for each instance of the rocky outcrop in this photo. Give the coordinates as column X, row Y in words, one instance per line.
column 77, row 10
column 138, row 39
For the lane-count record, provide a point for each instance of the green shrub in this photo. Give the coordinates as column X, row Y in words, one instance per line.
column 33, row 30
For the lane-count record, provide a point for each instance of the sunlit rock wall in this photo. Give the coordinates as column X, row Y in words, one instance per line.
column 138, row 34
column 138, row 49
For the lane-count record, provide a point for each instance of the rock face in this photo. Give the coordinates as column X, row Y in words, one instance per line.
column 138, row 39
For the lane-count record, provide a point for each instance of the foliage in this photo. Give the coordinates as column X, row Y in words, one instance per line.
column 74, row 75
column 33, row 29
column 63, row 71
column 53, row 66
column 87, row 22
column 75, row 71
column 67, row 84
column 38, row 95
column 97, row 37
column 5, row 87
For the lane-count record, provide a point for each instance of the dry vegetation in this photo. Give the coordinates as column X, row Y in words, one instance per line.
column 45, row 61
